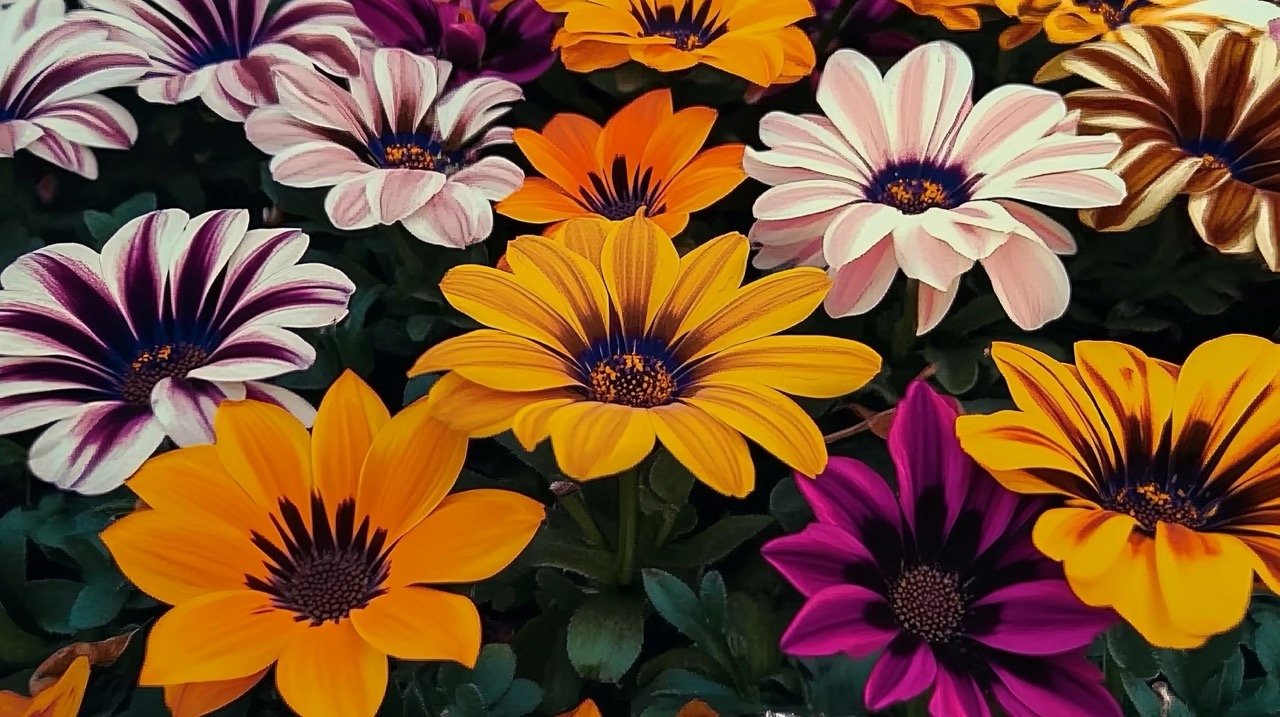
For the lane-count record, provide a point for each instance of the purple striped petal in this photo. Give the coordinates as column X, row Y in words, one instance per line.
column 96, row 450
column 92, row 121
column 852, row 496
column 202, row 250
column 16, row 135
column 185, row 408
column 256, row 352
column 1041, row 617
column 1062, row 686
column 134, row 266
column 68, row 155
column 846, row 618
column 36, row 391
column 933, row 471
column 284, row 398
column 957, row 694
column 71, row 275
column 30, row 326
column 306, row 295
column 905, row 670
column 817, row 557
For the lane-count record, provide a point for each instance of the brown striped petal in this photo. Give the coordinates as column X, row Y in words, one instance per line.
column 1226, row 217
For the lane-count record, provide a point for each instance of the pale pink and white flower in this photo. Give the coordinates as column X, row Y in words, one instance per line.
column 120, row 349
column 223, row 51
column 52, row 70
column 394, row 147
column 906, row 172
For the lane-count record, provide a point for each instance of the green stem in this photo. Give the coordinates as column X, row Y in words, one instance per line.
column 904, row 333
column 1112, row 674
column 918, row 707
column 829, row 30
column 576, row 506
column 628, row 520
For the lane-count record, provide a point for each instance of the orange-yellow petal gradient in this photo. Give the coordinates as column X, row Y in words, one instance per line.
column 768, row 418
column 218, row 636
column 353, row 672
column 191, row 482
column 64, row 698
column 593, row 440
column 496, row 299
column 639, row 264
column 173, row 558
column 814, row 366
column 1087, row 541
column 267, row 450
column 715, row 453
column 350, row 415
column 563, row 278
column 470, row 537
column 418, row 623
column 196, row 699
column 709, row 278
column 1206, row 578
column 498, row 360
column 477, row 410
column 763, row 307
column 588, row 708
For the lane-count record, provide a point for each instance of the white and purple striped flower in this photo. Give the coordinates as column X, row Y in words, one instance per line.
column 121, row 349
column 395, row 147
column 223, row 51
column 51, row 71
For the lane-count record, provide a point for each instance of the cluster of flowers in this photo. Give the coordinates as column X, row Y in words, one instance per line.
column 600, row 338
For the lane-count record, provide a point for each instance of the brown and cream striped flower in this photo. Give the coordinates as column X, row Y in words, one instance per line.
column 1197, row 117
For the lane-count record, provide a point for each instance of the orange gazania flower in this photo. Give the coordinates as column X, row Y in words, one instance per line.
column 1169, row 477
column 62, row 699
column 953, row 14
column 753, row 39
column 314, row 553
column 1071, row 22
column 645, row 157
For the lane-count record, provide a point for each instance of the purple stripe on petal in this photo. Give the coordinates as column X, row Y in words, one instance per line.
column 69, row 273
column 1041, row 617
column 96, row 450
column 817, row 557
column 905, row 670
column 286, row 399
column 932, row 470
column 185, row 409
column 956, row 693
column 22, row 413
column 851, row 495
column 845, row 618
column 1062, row 686
column 306, row 295
column 256, row 353
column 29, row 329
column 19, row 375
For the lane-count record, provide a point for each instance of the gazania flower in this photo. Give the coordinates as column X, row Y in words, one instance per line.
column 513, row 42
column 223, row 51
column 1169, row 476
column 122, row 349
column 1196, row 118
column 1073, row 22
column 953, row 14
column 62, row 699
column 905, row 171
column 395, row 147
column 646, row 157
column 605, row 351
column 51, row 71
column 756, row 40
column 943, row 578
column 326, row 547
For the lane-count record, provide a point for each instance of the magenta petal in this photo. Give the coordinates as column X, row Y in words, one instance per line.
column 1062, row 686
column 905, row 670
column 957, row 694
column 816, row 558
column 1041, row 617
column 849, row 494
column 926, row 453
column 846, row 618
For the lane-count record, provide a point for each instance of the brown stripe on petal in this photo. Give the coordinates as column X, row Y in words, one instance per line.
column 1227, row 83
column 1179, row 66
column 1078, row 428
column 1225, row 218
column 1154, row 173
column 1102, row 110
column 1117, row 66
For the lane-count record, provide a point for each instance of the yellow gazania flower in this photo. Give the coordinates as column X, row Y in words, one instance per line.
column 953, row 14
column 646, row 156
column 604, row 353
column 753, row 39
column 1171, row 477
column 312, row 553
column 1075, row 21
column 62, row 699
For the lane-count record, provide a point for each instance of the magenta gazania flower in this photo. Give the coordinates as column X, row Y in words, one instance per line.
column 395, row 147
column 905, row 172
column 223, row 51
column 513, row 43
column 942, row 580
column 51, row 71
column 121, row 349
column 868, row 28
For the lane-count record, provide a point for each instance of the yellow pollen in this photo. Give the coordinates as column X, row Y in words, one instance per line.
column 1150, row 504
column 914, row 196
column 408, row 156
column 631, row 380
column 1213, row 162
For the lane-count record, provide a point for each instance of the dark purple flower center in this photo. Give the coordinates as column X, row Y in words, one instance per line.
column 640, row 374
column 928, row 602
column 407, row 150
column 623, row 192
column 694, row 26
column 1149, row 504
column 916, row 187
column 1216, row 153
column 326, row 569
column 171, row 360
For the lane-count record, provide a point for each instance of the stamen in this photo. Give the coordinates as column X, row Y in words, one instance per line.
column 916, row 187
column 928, row 602
column 150, row 366
column 632, row 379
column 695, row 26
column 1150, row 504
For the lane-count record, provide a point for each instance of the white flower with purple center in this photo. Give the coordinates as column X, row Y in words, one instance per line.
column 51, row 71
column 120, row 349
column 223, row 51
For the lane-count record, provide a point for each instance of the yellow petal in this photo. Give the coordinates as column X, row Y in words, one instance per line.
column 1026, row 453
column 761, row 308
column 480, row 411
column 191, row 484
column 709, row 277
column 169, row 557
column 469, row 538
column 715, row 453
column 330, row 671
column 1206, row 578
column 592, row 440
column 815, row 366
column 496, row 299
column 768, row 418
column 350, row 415
column 639, row 264
column 414, row 461
column 498, row 360
column 696, row 708
column 584, row 236
column 564, row 279
column 417, row 623
column 196, row 699
column 1134, row 394
column 66, row 695
column 532, row 423
column 219, row 636
column 1087, row 540
column 267, row 451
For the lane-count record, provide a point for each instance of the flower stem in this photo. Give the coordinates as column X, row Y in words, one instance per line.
column 904, row 334
column 576, row 507
column 628, row 518
column 828, row 33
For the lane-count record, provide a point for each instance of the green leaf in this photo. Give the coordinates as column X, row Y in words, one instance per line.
column 677, row 604
column 522, row 698
column 753, row 635
column 467, row 702
column 1141, row 696
column 1132, row 653
column 417, row 387
column 715, row 605
column 97, row 604
column 788, row 507
column 1266, row 641
column 18, row 648
column 670, row 479
column 101, row 225
column 552, row 549
column 495, row 669
column 719, row 540
column 957, row 367
column 605, row 635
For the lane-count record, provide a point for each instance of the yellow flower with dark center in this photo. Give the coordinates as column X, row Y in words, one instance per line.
column 1072, row 22
column 605, row 340
column 754, row 39
column 1171, row 476
column 313, row 553
column 62, row 699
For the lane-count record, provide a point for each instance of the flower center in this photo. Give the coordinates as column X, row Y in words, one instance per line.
column 623, row 192
column 1150, row 504
column 1214, row 154
column 916, row 187
column 411, row 151
column 693, row 27
column 1114, row 12
column 160, row 362
column 631, row 379
column 928, row 602
column 325, row 570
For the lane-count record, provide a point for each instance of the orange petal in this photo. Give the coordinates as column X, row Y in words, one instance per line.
column 416, row 623
column 461, row 542
column 639, row 264
column 768, row 418
column 715, row 453
column 761, row 308
column 267, row 451
column 592, row 440
column 480, row 411
column 64, row 698
column 1206, row 578
column 709, row 277
column 330, row 671
column 706, row 180
column 169, row 556
column 350, row 415
column 191, row 484
column 814, row 366
column 1088, row 540
column 499, row 360
column 539, row 201
column 196, row 699
column 219, row 636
